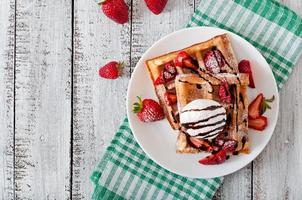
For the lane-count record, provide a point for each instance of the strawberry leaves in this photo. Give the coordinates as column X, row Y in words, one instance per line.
column 265, row 104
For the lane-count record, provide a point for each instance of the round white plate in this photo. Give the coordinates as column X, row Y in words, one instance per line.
column 157, row 139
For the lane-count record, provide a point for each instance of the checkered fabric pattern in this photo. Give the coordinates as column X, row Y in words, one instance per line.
column 126, row 172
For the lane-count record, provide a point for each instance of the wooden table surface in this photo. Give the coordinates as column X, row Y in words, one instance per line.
column 57, row 115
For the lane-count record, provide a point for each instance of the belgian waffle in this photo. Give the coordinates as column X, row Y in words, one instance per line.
column 197, row 51
column 190, row 87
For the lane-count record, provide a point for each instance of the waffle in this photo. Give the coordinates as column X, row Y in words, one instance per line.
column 190, row 87
column 155, row 67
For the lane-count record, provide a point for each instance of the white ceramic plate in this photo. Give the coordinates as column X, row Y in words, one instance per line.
column 158, row 139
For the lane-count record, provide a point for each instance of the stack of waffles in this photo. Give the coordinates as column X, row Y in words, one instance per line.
column 207, row 70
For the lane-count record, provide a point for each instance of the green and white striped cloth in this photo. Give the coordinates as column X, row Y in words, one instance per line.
column 125, row 171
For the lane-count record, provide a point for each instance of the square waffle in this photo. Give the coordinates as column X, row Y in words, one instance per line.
column 190, row 87
column 156, row 65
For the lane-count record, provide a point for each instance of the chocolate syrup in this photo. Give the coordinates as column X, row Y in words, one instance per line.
column 203, row 126
column 185, row 82
column 210, row 108
column 203, row 120
column 222, row 56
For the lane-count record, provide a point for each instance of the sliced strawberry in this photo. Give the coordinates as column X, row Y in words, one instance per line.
column 180, row 57
column 230, row 145
column 183, row 59
column 219, row 142
column 201, row 144
column 168, row 74
column 255, row 106
column 188, row 62
column 214, row 159
column 258, row 124
column 170, row 98
column 224, row 92
column 245, row 67
column 160, row 80
column 213, row 60
column 169, row 67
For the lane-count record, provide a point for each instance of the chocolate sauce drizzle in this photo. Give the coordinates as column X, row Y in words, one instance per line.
column 210, row 108
column 185, row 82
column 223, row 58
column 205, row 125
column 203, row 120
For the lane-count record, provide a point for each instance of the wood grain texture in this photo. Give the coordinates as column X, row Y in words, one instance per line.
column 278, row 169
column 43, row 101
column 43, row 116
column 7, row 33
column 147, row 28
column 99, row 104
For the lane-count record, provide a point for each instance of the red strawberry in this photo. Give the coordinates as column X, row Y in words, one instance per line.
column 201, row 144
column 180, row 57
column 245, row 67
column 148, row 110
column 213, row 60
column 255, row 106
column 214, row 159
column 160, row 79
column 170, row 98
column 168, row 74
column 259, row 106
column 229, row 145
column 224, row 92
column 258, row 124
column 169, row 67
column 183, row 59
column 117, row 10
column 111, row 70
column 156, row 6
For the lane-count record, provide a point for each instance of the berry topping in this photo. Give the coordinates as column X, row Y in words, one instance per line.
column 169, row 67
column 183, row 59
column 224, row 92
column 229, row 145
column 168, row 74
column 156, row 6
column 160, row 79
column 201, row 144
column 117, row 10
column 111, row 70
column 148, row 110
column 170, row 98
column 214, row 61
column 245, row 67
column 258, row 124
column 214, row 159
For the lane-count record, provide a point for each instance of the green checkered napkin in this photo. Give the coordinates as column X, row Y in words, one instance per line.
column 125, row 171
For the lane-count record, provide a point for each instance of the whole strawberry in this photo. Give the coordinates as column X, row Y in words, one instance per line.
column 148, row 110
column 117, row 10
column 156, row 6
column 111, row 70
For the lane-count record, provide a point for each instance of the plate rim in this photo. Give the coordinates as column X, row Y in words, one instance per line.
column 129, row 110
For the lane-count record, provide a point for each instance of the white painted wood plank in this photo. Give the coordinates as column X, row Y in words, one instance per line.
column 7, row 18
column 236, row 185
column 43, row 101
column 99, row 104
column 278, row 170
column 147, row 28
